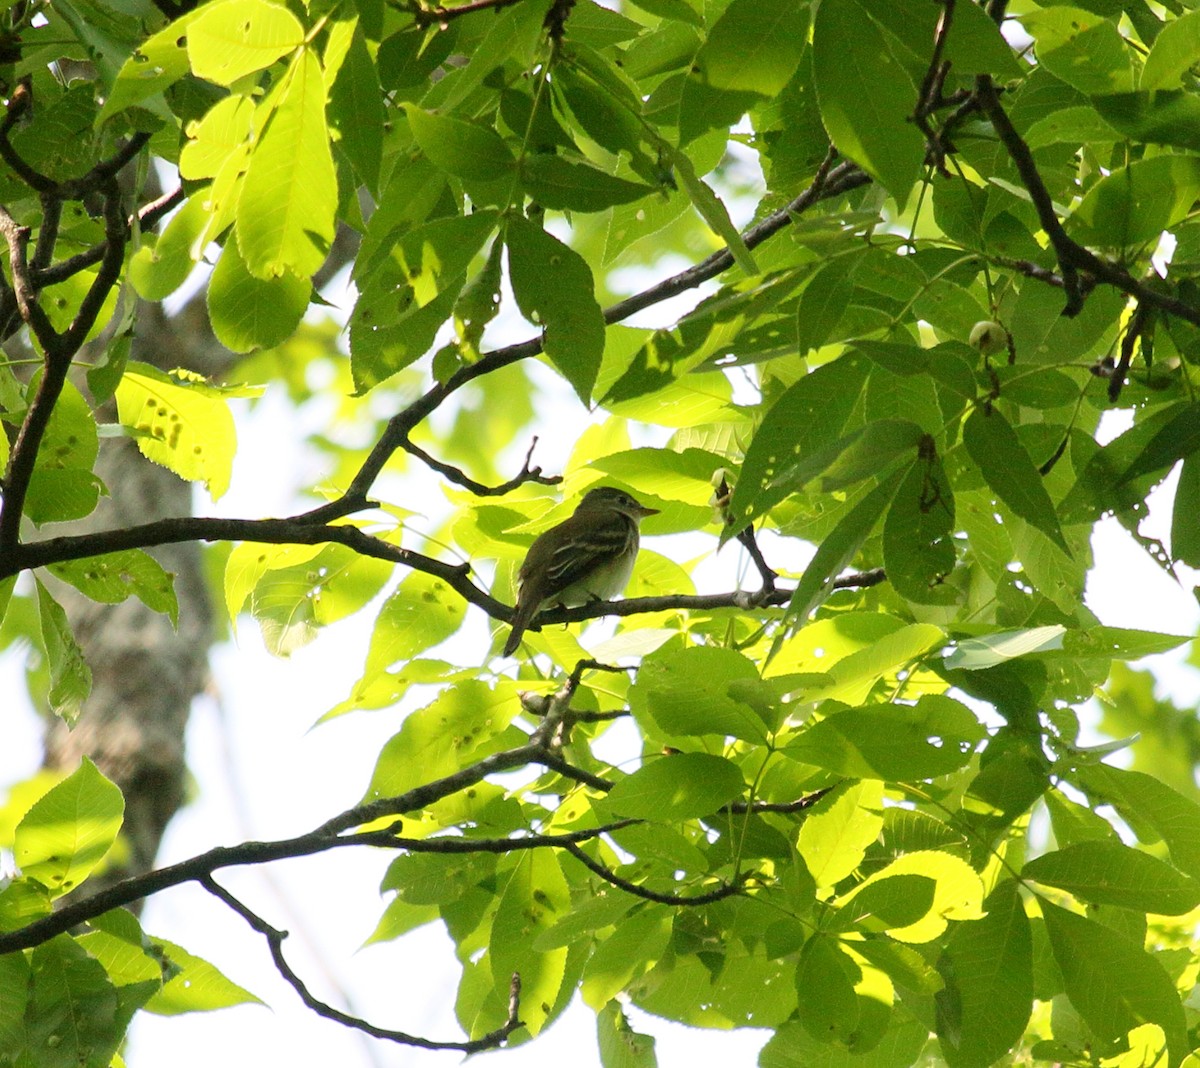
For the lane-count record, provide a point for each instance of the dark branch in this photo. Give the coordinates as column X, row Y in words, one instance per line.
column 526, row 474
column 275, row 939
column 442, row 16
column 1072, row 257
column 610, row 876
column 747, row 538
column 929, row 96
column 147, row 216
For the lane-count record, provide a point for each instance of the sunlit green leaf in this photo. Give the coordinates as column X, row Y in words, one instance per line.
column 285, row 214
column 181, row 423
column 675, row 787
column 69, row 830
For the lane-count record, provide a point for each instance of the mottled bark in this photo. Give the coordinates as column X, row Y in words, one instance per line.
column 145, row 674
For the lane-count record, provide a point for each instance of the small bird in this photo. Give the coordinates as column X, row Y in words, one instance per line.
column 588, row 557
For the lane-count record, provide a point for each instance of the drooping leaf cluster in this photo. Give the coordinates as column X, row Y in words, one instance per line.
column 971, row 236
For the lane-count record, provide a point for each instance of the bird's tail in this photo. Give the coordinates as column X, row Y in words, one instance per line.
column 522, row 619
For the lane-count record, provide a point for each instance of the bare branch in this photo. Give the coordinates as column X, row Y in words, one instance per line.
column 455, row 475
column 275, row 939
column 609, row 876
column 443, row 16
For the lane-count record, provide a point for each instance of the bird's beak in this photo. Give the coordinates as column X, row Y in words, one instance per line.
column 648, row 511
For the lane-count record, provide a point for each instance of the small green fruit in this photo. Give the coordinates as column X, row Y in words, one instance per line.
column 988, row 337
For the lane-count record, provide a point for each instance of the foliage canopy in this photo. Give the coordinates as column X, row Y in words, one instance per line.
column 973, row 234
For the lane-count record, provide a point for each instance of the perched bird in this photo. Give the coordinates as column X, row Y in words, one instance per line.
column 588, row 557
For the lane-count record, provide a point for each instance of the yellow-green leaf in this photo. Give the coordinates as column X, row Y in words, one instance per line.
column 185, row 426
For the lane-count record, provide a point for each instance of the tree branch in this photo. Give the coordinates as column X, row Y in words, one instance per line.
column 442, row 16
column 275, row 939
column 1072, row 257
column 455, row 475
column 828, row 182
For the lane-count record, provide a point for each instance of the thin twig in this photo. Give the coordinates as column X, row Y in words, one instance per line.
column 275, row 939
column 637, row 890
column 443, row 16
column 460, row 478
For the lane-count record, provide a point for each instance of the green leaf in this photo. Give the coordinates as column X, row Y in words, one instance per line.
column 793, row 1047
column 1110, row 873
column 1162, row 117
column 157, row 63
column 918, row 535
column 958, row 892
column 248, row 312
column 532, row 898
column 216, row 142
column 554, row 288
column 1041, row 389
column 356, row 109
column 1070, row 126
column 754, row 46
column 285, row 214
column 893, row 742
column 1178, row 439
column 60, row 495
column 15, row 977
column 464, row 149
column 619, row 1045
column 292, row 602
column 1134, row 204
column 555, row 183
column 70, row 677
column 676, row 787
column 987, row 966
column 807, row 419
column 628, row 952
column 1185, row 531
column 422, row 612
column 694, row 691
column 1081, row 48
column 711, row 208
column 195, row 985
column 1174, row 53
column 227, row 41
column 825, row 980
column 823, row 303
column 976, row 45
column 881, row 442
column 897, row 901
column 1114, row 984
column 1145, row 802
column 839, row 547
column 410, row 293
column 163, row 263
column 837, row 830
column 976, row 654
column 69, row 830
column 865, row 95
column 180, row 422
column 113, row 577
column 438, row 739
column 71, row 1016
column 71, row 439
column 1005, row 465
